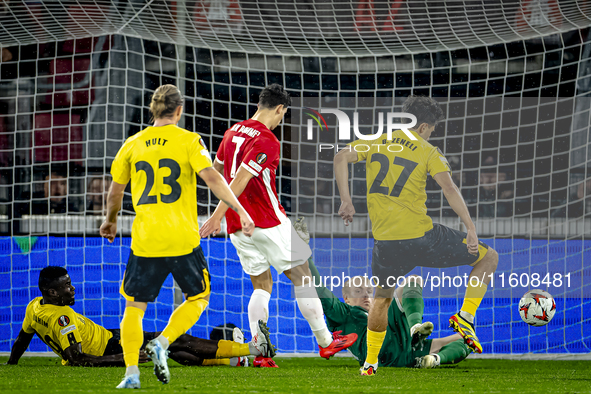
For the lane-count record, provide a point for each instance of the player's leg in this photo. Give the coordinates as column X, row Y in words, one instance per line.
column 190, row 272
column 447, row 350
column 181, row 320
column 411, row 296
column 284, row 249
column 258, row 305
column 210, row 349
column 477, row 284
column 310, row 307
column 191, row 351
column 301, row 230
column 463, row 321
column 187, row 358
column 258, row 267
column 192, row 276
column 308, row 303
column 132, row 336
column 188, row 350
column 411, row 299
column 445, row 247
column 141, row 284
column 377, row 323
column 255, row 264
column 389, row 261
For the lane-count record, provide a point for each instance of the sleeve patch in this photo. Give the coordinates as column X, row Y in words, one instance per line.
column 66, row 330
column 261, row 158
column 202, row 143
column 249, row 169
column 205, row 153
column 63, row 321
column 255, row 166
column 445, row 162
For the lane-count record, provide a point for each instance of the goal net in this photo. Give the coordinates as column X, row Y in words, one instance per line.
column 513, row 77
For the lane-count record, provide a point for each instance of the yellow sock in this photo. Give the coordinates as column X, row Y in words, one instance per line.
column 473, row 297
column 132, row 335
column 183, row 318
column 228, row 349
column 374, row 345
column 219, row 361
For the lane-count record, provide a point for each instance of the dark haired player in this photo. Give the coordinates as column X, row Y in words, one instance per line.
column 81, row 342
column 405, row 236
column 248, row 158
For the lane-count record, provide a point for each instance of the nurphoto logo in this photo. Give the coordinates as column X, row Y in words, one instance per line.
column 344, row 127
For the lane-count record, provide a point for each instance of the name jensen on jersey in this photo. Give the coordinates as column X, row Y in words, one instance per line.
column 246, row 130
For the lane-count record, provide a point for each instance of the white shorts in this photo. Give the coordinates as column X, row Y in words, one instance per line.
column 278, row 246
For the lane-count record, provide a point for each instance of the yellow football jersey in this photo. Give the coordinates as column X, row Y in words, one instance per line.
column 161, row 163
column 59, row 327
column 396, row 175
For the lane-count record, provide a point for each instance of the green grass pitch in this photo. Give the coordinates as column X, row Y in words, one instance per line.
column 307, row 375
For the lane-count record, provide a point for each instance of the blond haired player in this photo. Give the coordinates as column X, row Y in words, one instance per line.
column 405, row 236
column 161, row 161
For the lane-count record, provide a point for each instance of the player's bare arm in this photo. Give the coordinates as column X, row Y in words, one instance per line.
column 456, row 201
column 341, row 169
column 20, row 346
column 109, row 227
column 219, row 167
column 228, row 196
column 213, row 225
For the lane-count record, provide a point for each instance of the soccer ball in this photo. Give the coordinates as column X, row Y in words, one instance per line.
column 537, row 307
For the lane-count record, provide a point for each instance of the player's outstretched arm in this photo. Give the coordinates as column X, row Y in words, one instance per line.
column 336, row 311
column 228, row 196
column 218, row 167
column 322, row 291
column 76, row 358
column 109, row 227
column 456, row 201
column 341, row 170
column 20, row 346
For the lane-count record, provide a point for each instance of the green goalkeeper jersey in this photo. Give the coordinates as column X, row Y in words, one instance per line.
column 396, row 350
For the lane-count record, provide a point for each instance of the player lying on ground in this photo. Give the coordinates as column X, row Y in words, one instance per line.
column 405, row 236
column 405, row 343
column 248, row 157
column 81, row 342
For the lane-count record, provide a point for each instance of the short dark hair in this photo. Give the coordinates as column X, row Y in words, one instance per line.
column 274, row 95
column 223, row 331
column 49, row 275
column 426, row 110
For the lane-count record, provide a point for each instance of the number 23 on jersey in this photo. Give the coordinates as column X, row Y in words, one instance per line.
column 170, row 180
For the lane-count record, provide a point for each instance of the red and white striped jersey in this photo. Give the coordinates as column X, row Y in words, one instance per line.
column 252, row 145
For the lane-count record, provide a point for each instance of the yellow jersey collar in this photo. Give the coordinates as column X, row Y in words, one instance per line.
column 418, row 137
